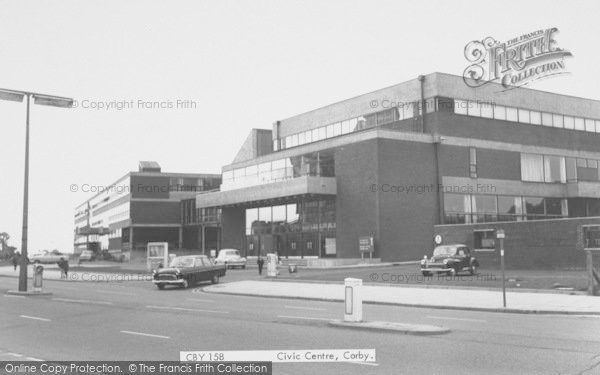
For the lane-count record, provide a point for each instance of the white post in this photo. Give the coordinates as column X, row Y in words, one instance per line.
column 353, row 300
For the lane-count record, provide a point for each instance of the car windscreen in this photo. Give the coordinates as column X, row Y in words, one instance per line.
column 182, row 262
column 444, row 251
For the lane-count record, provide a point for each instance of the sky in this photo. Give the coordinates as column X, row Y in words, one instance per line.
column 233, row 66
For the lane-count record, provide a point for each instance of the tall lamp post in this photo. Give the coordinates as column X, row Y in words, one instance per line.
column 40, row 99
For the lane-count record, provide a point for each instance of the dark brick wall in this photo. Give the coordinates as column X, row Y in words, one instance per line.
column 150, row 186
column 547, row 244
column 407, row 218
column 356, row 171
column 155, row 212
column 233, row 224
column 454, row 161
column 496, row 164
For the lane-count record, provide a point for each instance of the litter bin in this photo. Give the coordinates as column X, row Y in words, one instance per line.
column 38, row 276
column 292, row 268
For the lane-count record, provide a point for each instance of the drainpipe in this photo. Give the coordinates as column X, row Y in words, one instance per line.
column 421, row 79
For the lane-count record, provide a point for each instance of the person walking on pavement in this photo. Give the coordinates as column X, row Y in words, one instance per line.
column 15, row 259
column 260, row 261
column 64, row 268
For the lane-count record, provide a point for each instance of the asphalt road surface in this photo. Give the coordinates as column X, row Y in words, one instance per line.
column 135, row 321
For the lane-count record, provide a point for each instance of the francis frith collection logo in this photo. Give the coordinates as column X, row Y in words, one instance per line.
column 516, row 62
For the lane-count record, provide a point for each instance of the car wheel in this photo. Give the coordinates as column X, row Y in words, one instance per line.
column 36, row 262
column 215, row 279
column 452, row 272
column 185, row 284
column 426, row 274
column 473, row 270
column 243, row 267
column 160, row 286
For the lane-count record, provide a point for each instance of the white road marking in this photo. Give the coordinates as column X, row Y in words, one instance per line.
column 146, row 334
column 15, row 354
column 34, row 318
column 109, row 292
column 301, row 317
column 365, row 363
column 35, row 359
column 460, row 319
column 305, row 308
column 11, row 296
column 200, row 300
column 185, row 309
column 68, row 287
column 82, row 301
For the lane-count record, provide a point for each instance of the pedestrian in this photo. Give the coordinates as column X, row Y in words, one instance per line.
column 260, row 261
column 64, row 268
column 15, row 259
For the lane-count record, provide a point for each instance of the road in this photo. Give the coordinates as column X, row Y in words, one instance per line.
column 135, row 321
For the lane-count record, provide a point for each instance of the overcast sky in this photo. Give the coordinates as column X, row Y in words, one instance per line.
column 244, row 64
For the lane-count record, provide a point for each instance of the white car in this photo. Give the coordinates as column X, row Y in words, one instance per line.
column 48, row 257
column 230, row 258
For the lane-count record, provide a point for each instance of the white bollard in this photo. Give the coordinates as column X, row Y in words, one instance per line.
column 353, row 300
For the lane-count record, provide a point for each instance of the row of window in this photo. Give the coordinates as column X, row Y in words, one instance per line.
column 314, row 164
column 551, row 168
column 302, row 217
column 525, row 116
column 345, row 127
column 474, row 208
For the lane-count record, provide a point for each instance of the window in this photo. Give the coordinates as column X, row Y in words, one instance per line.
column 569, row 122
column 532, row 167
column 571, row 166
column 484, row 207
column 487, row 110
column 484, row 240
column 555, row 207
column 308, row 136
column 275, row 144
column 294, row 140
column 473, row 109
column 314, row 135
column 597, row 126
column 322, row 133
column 589, row 125
column 535, row 117
column 460, row 107
column 554, row 169
column 579, row 123
column 345, row 127
column 557, row 120
column 457, row 208
column 512, row 114
column 510, row 208
column 534, row 207
column 353, row 124
column 301, row 139
column 473, row 162
column 264, row 172
column 546, row 119
column 337, row 129
column 500, row 112
column 524, row 116
column 329, row 131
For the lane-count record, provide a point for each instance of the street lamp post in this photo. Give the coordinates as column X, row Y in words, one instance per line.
column 40, row 99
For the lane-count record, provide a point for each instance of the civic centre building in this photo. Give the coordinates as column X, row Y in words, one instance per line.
column 401, row 165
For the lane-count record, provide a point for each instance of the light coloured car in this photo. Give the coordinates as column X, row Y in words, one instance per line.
column 231, row 258
column 48, row 257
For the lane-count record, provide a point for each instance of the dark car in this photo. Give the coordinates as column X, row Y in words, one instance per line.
column 188, row 270
column 450, row 259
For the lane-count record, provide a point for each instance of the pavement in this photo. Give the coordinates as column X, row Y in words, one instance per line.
column 82, row 273
column 462, row 299
column 124, row 321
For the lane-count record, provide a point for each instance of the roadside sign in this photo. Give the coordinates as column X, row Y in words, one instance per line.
column 500, row 234
column 366, row 244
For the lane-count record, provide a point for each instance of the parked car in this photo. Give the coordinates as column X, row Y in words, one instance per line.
column 231, row 258
column 188, row 270
column 449, row 259
column 87, row 255
column 48, row 257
